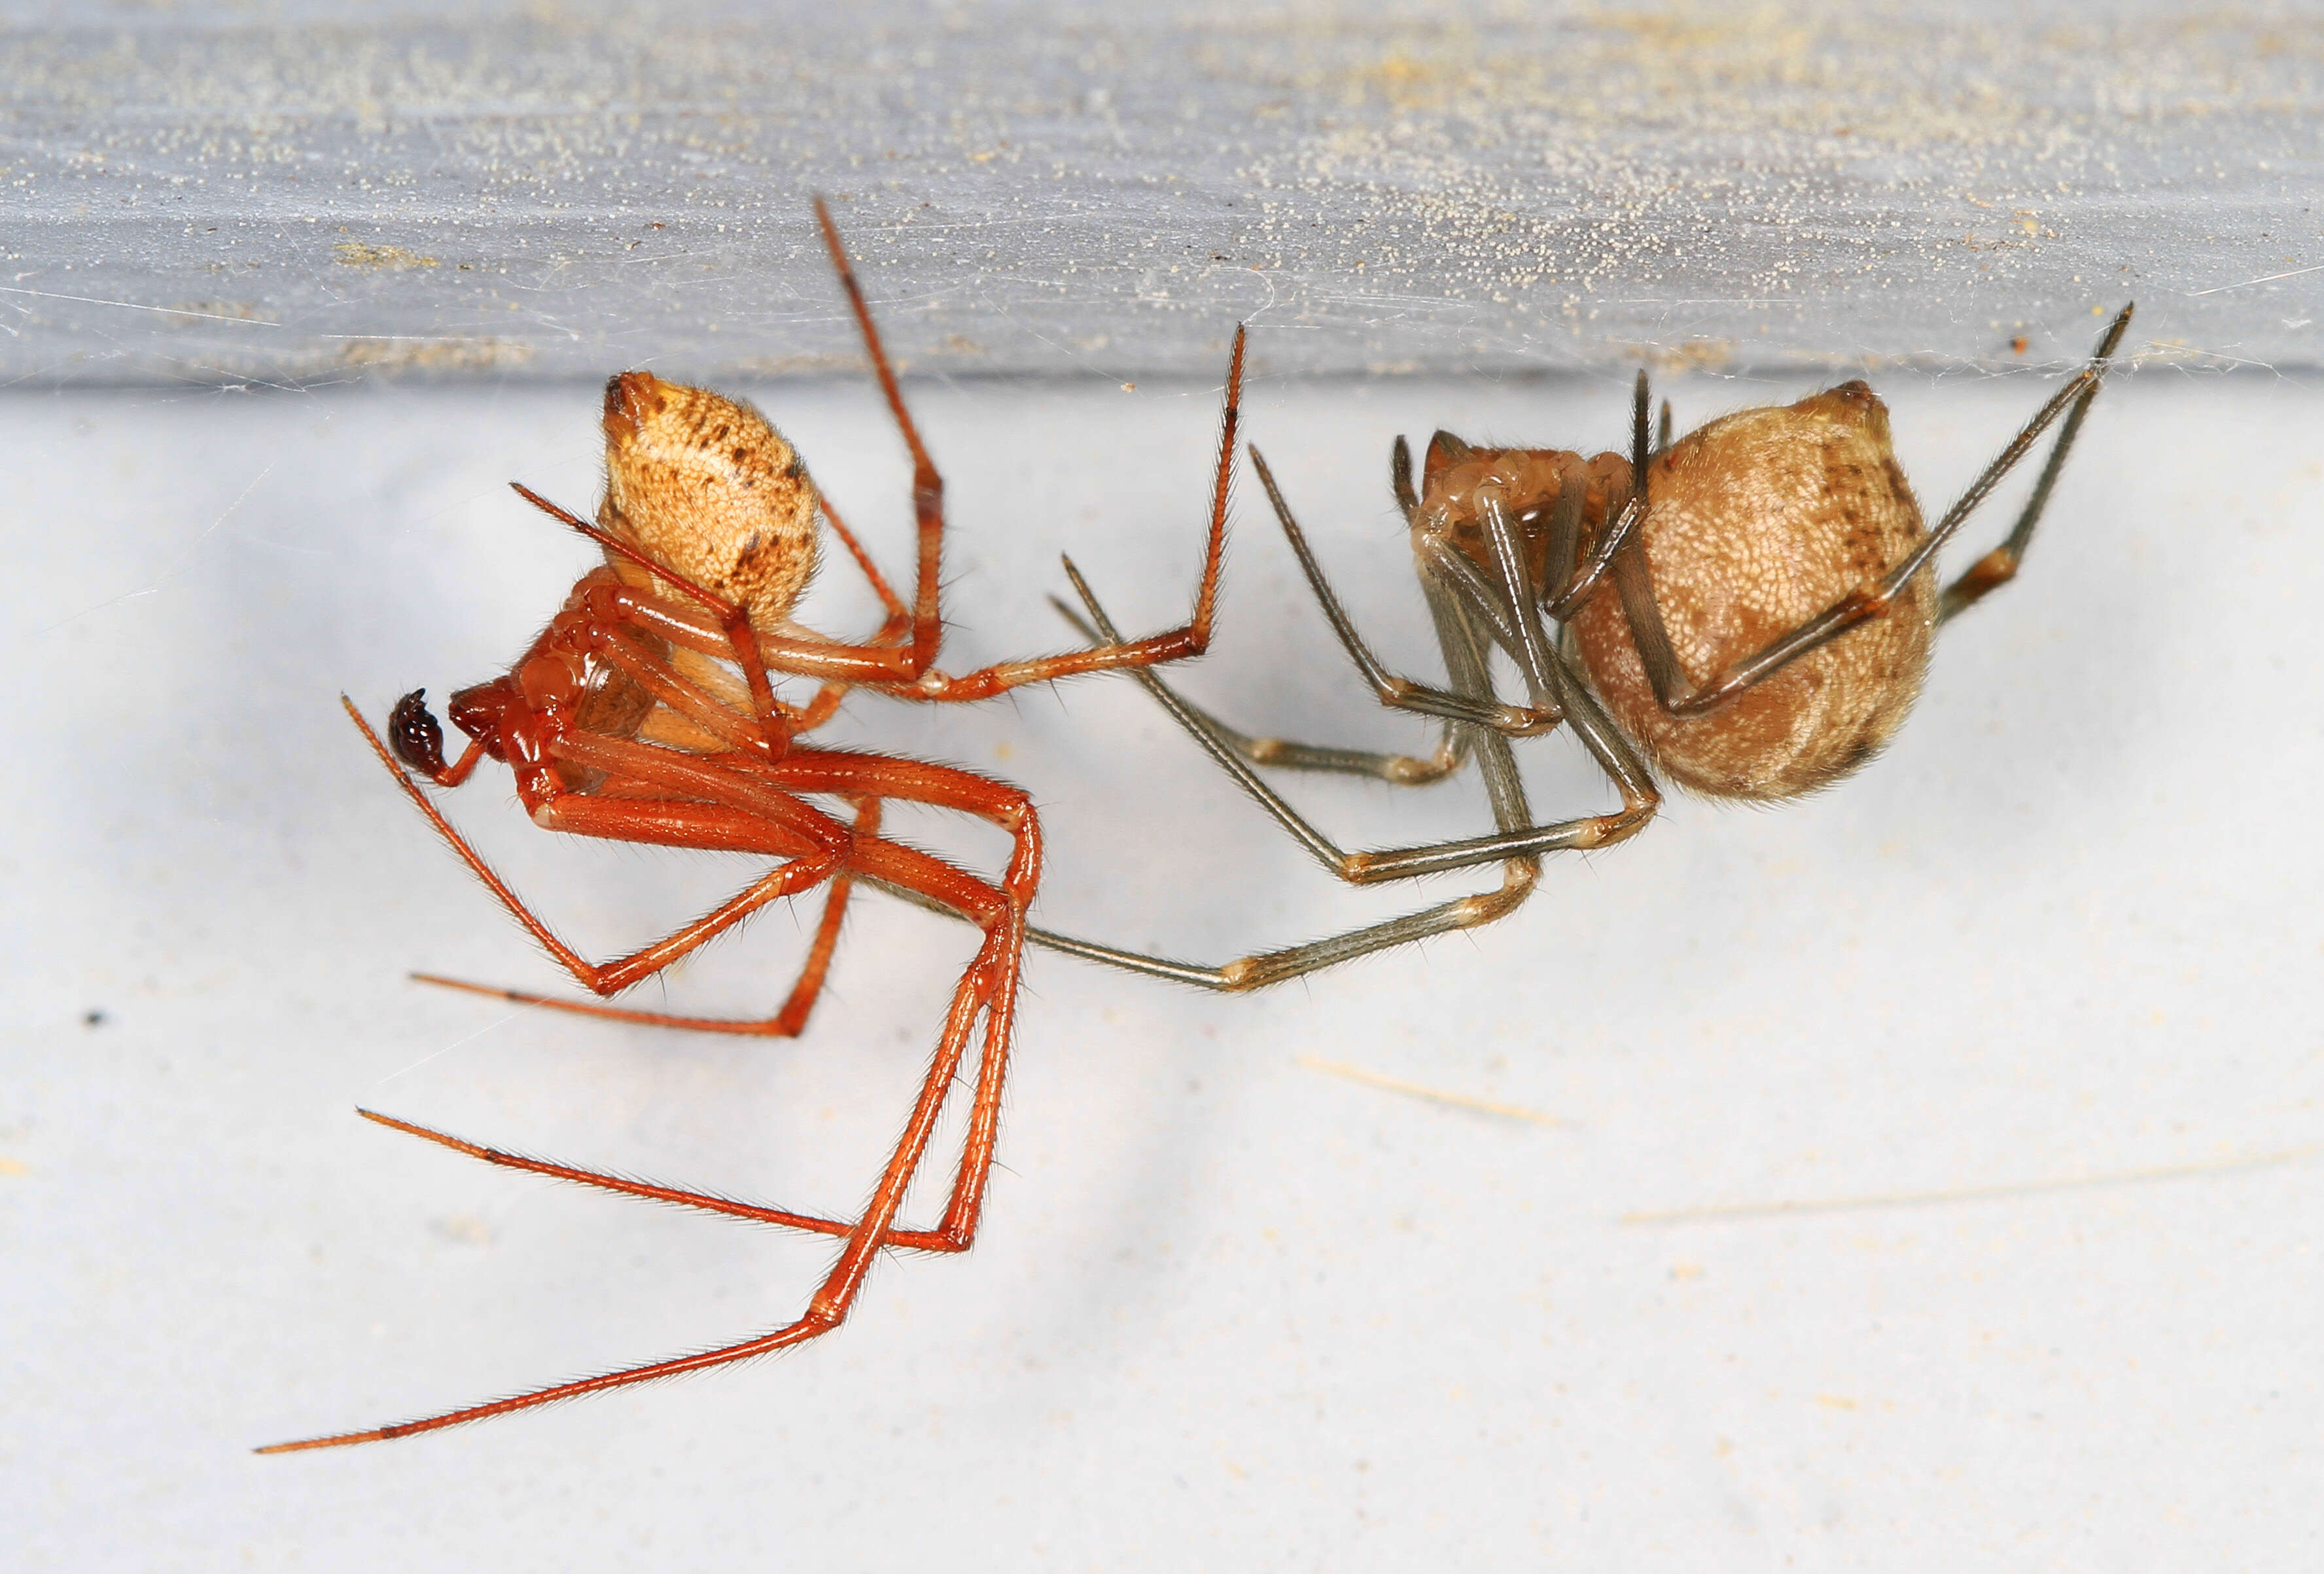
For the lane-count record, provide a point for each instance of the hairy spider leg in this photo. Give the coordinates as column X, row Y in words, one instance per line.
column 987, row 989
column 789, row 1022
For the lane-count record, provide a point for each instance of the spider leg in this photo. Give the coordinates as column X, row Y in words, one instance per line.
column 927, row 486
column 1191, row 639
column 814, row 844
column 1397, row 693
column 1999, row 567
column 910, row 672
column 1515, row 843
column 947, row 786
column 1620, row 541
column 1398, row 769
column 900, row 616
column 893, row 630
column 980, row 992
column 789, row 1022
column 987, row 989
column 625, row 1186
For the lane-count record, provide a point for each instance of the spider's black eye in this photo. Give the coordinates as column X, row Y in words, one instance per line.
column 415, row 734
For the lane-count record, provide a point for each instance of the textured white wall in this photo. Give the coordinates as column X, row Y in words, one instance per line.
column 302, row 192
column 1984, row 1088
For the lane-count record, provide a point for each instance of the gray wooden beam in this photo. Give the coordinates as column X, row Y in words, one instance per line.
column 328, row 192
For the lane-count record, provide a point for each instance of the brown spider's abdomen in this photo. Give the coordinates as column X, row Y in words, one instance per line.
column 705, row 487
column 1756, row 523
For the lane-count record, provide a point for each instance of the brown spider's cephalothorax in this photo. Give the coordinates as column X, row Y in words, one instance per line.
column 706, row 486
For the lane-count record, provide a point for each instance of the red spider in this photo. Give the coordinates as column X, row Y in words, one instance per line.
column 626, row 720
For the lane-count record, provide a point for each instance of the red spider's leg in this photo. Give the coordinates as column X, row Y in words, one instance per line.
column 832, row 1300
column 928, row 486
column 825, row 703
column 625, row 1186
column 997, row 965
column 786, row 1023
column 818, row 771
column 900, row 616
column 1003, row 912
column 1192, row 639
column 815, row 844
column 956, row 1232
column 686, row 697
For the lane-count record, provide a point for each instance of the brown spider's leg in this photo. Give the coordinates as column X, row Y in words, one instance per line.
column 1190, row 638
column 1256, row 971
column 1399, row 478
column 1516, row 846
column 1633, row 580
column 1509, row 607
column 1999, row 567
column 832, row 1300
column 1874, row 599
column 1398, row 769
column 1395, row 693
column 1619, row 538
column 786, row 1023
column 1532, row 651
column 1515, row 836
column 1566, row 526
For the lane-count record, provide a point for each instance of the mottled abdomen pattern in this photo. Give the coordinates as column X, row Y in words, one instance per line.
column 704, row 486
column 1756, row 523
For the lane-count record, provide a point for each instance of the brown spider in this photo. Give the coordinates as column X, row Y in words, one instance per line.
column 626, row 719
column 1757, row 629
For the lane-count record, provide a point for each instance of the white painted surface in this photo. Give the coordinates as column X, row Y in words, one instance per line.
column 2031, row 1005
